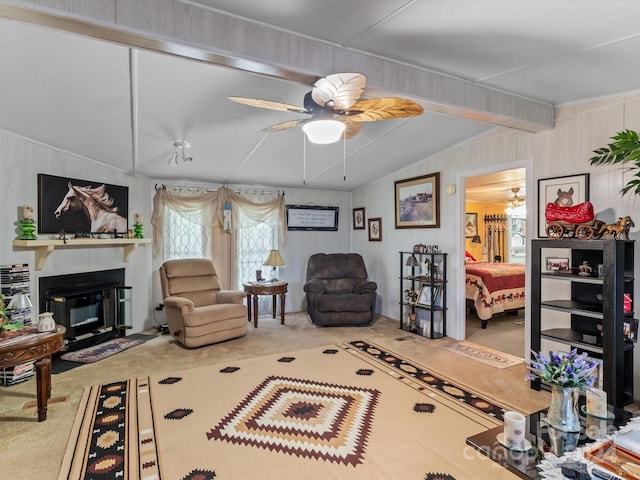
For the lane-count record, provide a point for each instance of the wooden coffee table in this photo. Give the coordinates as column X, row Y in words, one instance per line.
column 38, row 347
column 269, row 288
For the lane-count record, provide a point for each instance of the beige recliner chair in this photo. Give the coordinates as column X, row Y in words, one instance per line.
column 199, row 312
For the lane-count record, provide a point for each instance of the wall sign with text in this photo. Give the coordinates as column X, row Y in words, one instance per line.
column 306, row 217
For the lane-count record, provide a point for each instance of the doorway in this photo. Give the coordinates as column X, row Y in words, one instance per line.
column 495, row 201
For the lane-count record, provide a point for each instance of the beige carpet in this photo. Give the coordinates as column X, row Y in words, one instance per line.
column 504, row 332
column 486, row 355
column 353, row 410
column 45, row 441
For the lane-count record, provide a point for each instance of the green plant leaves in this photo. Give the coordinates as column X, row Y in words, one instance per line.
column 625, row 149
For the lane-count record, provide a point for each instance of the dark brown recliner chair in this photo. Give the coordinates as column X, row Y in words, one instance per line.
column 337, row 290
column 199, row 312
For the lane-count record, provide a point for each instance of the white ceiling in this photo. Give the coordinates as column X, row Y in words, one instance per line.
column 125, row 107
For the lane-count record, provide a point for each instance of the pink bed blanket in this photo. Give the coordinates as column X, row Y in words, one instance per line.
column 495, row 287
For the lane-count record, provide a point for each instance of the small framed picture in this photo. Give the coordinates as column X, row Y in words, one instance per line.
column 358, row 218
column 631, row 331
column 427, row 295
column 375, row 229
column 556, row 264
column 470, row 225
column 437, row 298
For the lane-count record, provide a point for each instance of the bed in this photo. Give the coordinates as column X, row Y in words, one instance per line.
column 494, row 288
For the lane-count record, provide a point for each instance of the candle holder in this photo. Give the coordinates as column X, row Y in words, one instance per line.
column 27, row 229
column 138, row 230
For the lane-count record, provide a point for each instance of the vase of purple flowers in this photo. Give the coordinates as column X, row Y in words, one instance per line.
column 567, row 374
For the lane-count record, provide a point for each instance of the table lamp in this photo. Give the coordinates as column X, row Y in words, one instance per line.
column 19, row 303
column 412, row 262
column 274, row 260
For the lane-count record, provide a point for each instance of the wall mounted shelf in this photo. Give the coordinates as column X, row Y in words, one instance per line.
column 44, row 248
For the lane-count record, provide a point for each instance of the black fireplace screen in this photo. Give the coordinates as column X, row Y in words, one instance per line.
column 85, row 303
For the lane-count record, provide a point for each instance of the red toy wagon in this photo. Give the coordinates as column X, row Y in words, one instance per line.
column 577, row 221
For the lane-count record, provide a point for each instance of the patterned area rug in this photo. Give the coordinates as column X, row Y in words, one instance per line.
column 352, row 411
column 51, row 401
column 486, row 355
column 100, row 352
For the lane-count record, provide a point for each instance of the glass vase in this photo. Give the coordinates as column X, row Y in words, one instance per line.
column 563, row 419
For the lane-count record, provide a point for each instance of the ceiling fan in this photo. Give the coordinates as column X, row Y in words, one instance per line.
column 336, row 99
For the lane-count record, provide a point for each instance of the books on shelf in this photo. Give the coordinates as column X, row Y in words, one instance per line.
column 16, row 374
column 14, row 280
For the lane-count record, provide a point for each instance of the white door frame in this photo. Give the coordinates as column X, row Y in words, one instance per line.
column 530, row 203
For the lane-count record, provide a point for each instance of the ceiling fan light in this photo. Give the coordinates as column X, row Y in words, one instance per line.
column 323, row 131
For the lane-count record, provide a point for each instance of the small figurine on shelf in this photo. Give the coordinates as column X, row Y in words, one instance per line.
column 27, row 225
column 138, row 229
column 411, row 295
column 585, row 269
column 618, row 230
column 412, row 322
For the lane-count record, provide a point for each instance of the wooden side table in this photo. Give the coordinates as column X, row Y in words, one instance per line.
column 253, row 290
column 39, row 347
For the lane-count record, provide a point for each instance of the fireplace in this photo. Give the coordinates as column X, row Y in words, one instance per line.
column 92, row 306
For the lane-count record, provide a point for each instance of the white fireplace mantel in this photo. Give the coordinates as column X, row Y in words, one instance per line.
column 44, row 248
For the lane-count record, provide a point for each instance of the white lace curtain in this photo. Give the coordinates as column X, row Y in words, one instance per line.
column 206, row 209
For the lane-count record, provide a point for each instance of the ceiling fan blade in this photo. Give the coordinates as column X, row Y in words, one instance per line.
column 281, row 107
column 339, row 91
column 383, row 109
column 351, row 128
column 285, row 125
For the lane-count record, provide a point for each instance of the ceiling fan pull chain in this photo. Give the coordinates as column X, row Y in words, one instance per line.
column 304, row 159
column 344, row 158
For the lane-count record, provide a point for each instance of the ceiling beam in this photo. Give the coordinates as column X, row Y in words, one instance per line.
column 172, row 27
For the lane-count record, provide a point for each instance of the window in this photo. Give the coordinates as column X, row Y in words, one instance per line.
column 183, row 238
column 253, row 242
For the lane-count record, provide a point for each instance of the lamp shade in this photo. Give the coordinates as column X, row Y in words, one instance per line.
column 323, row 131
column 412, row 261
column 274, row 259
column 20, row 301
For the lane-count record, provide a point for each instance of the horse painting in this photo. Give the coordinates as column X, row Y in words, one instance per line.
column 96, row 204
column 565, row 199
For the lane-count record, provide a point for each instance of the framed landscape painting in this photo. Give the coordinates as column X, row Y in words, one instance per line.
column 417, row 202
